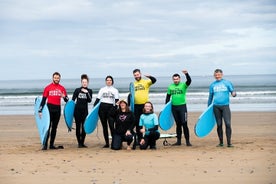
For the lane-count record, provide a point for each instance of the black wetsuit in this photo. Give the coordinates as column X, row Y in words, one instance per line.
column 81, row 111
column 123, row 121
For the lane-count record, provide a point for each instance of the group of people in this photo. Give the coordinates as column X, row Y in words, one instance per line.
column 140, row 126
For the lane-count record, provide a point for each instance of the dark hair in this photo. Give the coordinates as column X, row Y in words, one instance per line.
column 110, row 77
column 136, row 70
column 218, row 71
column 176, row 75
column 127, row 107
column 85, row 76
column 56, row 73
column 152, row 111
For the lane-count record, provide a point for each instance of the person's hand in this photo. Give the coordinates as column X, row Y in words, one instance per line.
column 128, row 133
column 62, row 95
column 234, row 94
column 142, row 141
column 40, row 115
column 147, row 76
column 84, row 90
column 185, row 71
column 143, row 130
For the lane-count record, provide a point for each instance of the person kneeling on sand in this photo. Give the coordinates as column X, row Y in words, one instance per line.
column 149, row 127
column 124, row 123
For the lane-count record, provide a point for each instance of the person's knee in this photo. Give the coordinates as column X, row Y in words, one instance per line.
column 143, row 147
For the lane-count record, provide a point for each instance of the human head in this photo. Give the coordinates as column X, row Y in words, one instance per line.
column 56, row 77
column 84, row 80
column 176, row 78
column 148, row 108
column 218, row 74
column 137, row 74
column 123, row 105
column 109, row 80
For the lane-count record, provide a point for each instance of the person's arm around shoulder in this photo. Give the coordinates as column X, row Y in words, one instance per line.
column 189, row 80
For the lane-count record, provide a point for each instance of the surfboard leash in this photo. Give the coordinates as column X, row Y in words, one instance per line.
column 97, row 135
column 166, row 143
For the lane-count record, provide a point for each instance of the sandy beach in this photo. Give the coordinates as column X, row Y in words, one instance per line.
column 252, row 160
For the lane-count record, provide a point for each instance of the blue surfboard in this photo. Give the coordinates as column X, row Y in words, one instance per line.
column 68, row 113
column 166, row 119
column 91, row 120
column 132, row 93
column 42, row 123
column 206, row 122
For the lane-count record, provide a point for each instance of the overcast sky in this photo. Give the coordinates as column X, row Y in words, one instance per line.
column 113, row 37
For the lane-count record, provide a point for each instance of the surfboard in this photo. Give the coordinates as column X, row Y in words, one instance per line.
column 165, row 118
column 171, row 135
column 42, row 123
column 91, row 120
column 162, row 136
column 132, row 93
column 205, row 122
column 68, row 113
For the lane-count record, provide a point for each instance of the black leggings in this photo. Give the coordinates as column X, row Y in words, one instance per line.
column 223, row 112
column 180, row 117
column 80, row 115
column 54, row 120
column 150, row 140
column 105, row 120
column 138, row 111
column 117, row 140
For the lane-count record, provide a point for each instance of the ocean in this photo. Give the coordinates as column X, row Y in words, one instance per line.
column 254, row 92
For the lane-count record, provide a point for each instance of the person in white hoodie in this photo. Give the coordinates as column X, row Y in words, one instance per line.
column 108, row 96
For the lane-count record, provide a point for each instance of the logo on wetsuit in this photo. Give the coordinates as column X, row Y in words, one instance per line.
column 55, row 92
column 177, row 92
column 139, row 87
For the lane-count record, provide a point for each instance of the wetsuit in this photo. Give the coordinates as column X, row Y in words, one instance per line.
column 81, row 111
column 141, row 97
column 179, row 108
column 53, row 93
column 123, row 121
column 219, row 95
column 150, row 122
column 108, row 96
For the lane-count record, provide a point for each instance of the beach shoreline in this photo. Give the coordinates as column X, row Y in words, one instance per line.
column 252, row 160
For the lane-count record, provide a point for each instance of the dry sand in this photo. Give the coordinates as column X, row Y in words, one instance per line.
column 252, row 160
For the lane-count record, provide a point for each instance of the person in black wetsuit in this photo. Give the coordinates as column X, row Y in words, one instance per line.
column 123, row 125
column 83, row 96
